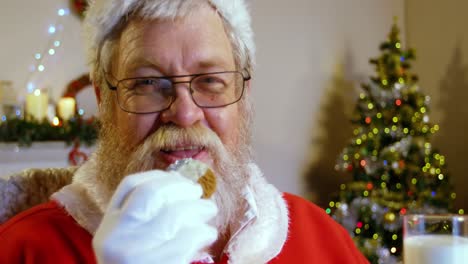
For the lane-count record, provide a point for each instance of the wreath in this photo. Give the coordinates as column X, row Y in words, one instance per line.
column 79, row 7
column 76, row 85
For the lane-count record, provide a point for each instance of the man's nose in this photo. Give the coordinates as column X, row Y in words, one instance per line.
column 183, row 111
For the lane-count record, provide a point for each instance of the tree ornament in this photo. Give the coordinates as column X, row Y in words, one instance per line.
column 389, row 217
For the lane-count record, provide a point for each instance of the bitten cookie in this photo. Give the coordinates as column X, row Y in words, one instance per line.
column 198, row 172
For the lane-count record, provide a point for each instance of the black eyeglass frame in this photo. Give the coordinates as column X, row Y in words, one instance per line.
column 193, row 76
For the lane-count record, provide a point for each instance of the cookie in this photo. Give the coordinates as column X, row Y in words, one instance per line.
column 198, row 172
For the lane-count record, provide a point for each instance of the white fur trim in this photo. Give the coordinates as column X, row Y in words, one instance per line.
column 264, row 238
column 258, row 242
column 82, row 199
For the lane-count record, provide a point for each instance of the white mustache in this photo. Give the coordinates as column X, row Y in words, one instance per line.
column 172, row 137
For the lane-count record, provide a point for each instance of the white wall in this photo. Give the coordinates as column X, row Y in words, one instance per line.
column 24, row 31
column 309, row 54
column 437, row 30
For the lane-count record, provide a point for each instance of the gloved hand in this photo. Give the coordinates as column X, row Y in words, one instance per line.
column 155, row 217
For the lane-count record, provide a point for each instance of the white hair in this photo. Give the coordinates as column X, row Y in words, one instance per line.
column 104, row 18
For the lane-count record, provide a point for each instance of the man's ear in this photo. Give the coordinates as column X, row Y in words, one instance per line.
column 247, row 86
column 97, row 91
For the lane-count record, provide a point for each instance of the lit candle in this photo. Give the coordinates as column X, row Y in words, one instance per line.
column 435, row 249
column 66, row 108
column 36, row 105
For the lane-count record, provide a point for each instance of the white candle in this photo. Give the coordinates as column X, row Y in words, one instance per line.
column 66, row 108
column 36, row 105
column 435, row 249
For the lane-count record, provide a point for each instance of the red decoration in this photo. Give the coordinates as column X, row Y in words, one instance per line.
column 79, row 6
column 75, row 86
column 403, row 211
column 401, row 163
column 398, row 102
column 370, row 186
column 350, row 167
column 77, row 157
column 368, row 120
column 359, row 225
column 363, row 163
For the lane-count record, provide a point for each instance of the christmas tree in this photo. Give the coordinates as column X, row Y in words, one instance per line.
column 395, row 170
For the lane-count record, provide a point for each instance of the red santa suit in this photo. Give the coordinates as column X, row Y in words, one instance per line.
column 276, row 228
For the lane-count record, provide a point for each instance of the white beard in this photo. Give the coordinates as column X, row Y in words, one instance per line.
column 116, row 160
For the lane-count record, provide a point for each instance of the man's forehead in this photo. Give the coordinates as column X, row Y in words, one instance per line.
column 156, row 43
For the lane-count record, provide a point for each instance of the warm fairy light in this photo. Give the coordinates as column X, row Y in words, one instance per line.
column 398, row 45
column 441, row 176
column 394, row 236
column 332, row 204
column 379, row 115
column 393, row 250
column 55, row 121
column 461, row 211
column 37, row 92
column 370, row 106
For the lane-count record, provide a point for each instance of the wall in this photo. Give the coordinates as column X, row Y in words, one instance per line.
column 311, row 53
column 437, row 30
column 24, row 31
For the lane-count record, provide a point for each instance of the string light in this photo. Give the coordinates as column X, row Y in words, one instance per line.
column 52, row 29
column 38, row 66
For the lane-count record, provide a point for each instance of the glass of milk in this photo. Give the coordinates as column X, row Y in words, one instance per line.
column 435, row 239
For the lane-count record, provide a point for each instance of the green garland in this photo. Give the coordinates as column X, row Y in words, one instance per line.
column 26, row 132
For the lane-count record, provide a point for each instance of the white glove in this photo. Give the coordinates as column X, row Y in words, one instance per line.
column 155, row 217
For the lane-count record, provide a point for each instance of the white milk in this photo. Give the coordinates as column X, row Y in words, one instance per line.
column 435, row 249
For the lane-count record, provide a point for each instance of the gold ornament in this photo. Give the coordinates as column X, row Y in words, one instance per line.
column 389, row 217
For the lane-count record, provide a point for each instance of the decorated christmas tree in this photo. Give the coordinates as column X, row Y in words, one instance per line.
column 394, row 168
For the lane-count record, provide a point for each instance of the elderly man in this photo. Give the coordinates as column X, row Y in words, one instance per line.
column 172, row 82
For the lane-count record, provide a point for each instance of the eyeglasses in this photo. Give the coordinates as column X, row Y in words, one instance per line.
column 144, row 95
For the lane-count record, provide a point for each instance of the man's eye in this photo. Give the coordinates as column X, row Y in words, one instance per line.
column 210, row 80
column 149, row 86
column 209, row 84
